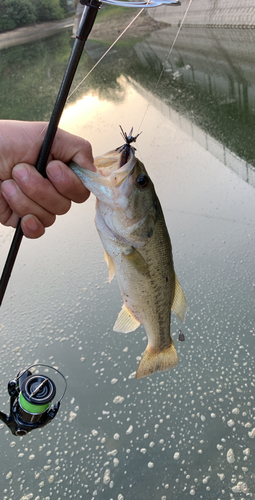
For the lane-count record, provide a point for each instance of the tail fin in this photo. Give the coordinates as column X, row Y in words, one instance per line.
column 153, row 361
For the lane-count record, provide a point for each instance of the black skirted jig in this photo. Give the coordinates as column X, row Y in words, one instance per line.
column 126, row 147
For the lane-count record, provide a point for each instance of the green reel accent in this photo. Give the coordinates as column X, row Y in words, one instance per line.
column 29, row 407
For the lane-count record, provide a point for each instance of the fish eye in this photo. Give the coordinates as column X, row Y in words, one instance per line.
column 142, row 181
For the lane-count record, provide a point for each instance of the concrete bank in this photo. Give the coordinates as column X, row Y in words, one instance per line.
column 209, row 13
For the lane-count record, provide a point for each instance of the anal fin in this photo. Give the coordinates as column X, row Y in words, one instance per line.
column 125, row 321
column 179, row 305
column 153, row 361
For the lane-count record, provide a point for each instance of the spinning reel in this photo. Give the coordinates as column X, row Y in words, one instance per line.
column 31, row 396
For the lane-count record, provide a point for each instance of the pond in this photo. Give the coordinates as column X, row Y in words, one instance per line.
column 187, row 432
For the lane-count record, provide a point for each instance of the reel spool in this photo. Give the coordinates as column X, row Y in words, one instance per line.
column 37, row 393
column 31, row 398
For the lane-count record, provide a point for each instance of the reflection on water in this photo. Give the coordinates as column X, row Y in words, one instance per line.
column 35, row 70
column 184, row 433
column 209, row 78
column 241, row 167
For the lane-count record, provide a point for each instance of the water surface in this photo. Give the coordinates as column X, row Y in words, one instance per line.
column 167, row 435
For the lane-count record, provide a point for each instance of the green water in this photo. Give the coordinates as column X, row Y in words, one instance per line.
column 168, row 435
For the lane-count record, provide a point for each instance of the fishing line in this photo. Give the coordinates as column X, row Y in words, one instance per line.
column 163, row 68
column 89, row 73
column 106, row 52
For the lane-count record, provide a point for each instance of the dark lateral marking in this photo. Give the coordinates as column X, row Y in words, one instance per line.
column 166, row 278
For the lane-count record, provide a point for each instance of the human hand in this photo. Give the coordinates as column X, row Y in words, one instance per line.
column 24, row 193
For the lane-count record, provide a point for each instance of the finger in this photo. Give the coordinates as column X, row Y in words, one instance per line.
column 5, row 210
column 66, row 182
column 21, row 205
column 32, row 227
column 22, row 141
column 68, row 147
column 39, row 189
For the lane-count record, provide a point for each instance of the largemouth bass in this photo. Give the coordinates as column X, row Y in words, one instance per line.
column 138, row 250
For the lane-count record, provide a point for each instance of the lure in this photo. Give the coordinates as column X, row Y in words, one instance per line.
column 126, row 147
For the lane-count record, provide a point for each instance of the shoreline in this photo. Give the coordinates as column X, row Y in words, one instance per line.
column 33, row 32
column 107, row 29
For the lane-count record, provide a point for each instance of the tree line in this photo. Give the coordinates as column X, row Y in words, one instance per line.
column 16, row 13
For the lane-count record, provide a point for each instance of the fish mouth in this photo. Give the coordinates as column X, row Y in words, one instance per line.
column 114, row 165
column 110, row 174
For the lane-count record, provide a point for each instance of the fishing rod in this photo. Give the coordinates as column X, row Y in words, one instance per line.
column 86, row 24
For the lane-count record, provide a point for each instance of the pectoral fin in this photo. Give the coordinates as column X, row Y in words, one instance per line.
column 125, row 321
column 136, row 259
column 110, row 265
column 179, row 305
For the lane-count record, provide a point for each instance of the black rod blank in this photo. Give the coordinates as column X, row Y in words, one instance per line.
column 86, row 24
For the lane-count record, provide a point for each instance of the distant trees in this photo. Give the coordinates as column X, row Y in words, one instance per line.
column 16, row 13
